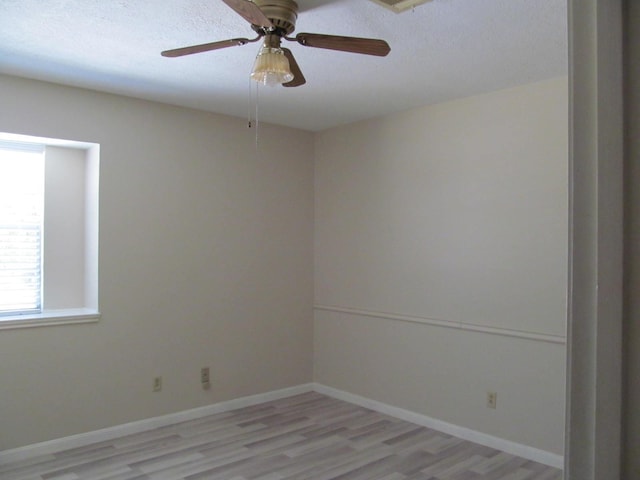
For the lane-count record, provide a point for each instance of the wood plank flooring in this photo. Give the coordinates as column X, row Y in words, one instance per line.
column 304, row 437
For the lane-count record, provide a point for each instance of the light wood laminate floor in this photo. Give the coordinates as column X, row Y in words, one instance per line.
column 308, row 436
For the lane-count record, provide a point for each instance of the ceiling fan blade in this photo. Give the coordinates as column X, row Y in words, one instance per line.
column 368, row 46
column 205, row 47
column 298, row 78
column 250, row 12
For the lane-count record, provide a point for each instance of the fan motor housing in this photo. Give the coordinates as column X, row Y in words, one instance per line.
column 282, row 13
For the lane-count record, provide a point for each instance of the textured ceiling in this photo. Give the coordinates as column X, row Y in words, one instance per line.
column 441, row 50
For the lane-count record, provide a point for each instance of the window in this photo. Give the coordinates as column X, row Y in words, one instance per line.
column 21, row 209
column 48, row 231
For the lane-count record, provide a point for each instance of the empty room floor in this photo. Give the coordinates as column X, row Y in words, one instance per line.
column 308, row 436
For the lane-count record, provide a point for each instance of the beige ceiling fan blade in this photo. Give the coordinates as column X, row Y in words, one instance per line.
column 250, row 12
column 298, row 77
column 367, row 46
column 206, row 47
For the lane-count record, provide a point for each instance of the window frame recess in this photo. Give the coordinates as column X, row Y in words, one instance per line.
column 68, row 256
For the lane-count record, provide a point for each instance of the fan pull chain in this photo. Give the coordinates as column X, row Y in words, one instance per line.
column 249, row 125
column 257, row 119
column 255, row 122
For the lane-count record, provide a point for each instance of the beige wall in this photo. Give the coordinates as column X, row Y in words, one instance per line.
column 205, row 259
column 631, row 422
column 454, row 213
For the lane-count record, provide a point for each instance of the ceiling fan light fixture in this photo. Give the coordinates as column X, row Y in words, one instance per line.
column 271, row 67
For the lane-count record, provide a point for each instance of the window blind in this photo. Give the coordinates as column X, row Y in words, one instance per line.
column 21, row 219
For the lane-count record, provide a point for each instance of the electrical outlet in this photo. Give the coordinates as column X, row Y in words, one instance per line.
column 157, row 384
column 492, row 399
column 204, row 378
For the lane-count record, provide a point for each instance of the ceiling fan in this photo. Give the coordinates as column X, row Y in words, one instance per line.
column 273, row 21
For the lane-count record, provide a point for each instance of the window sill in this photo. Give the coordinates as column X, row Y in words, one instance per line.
column 50, row 318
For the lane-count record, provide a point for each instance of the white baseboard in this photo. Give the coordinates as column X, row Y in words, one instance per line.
column 105, row 434
column 524, row 451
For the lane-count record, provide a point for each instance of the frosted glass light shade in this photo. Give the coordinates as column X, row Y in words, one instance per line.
column 271, row 67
